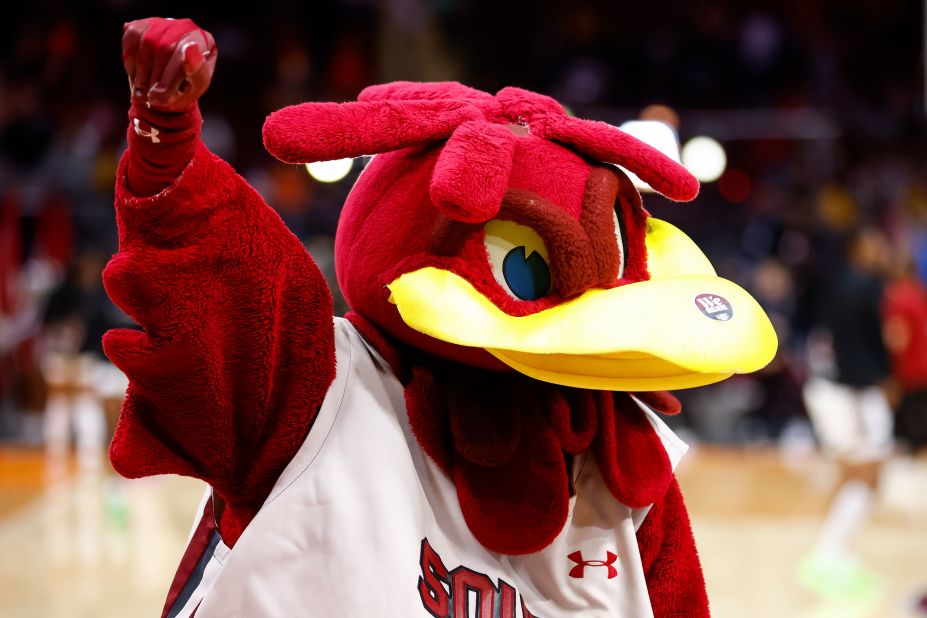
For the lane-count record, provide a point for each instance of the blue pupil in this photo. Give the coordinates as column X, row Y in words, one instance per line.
column 527, row 277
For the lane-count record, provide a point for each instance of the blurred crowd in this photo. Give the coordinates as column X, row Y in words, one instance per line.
column 820, row 107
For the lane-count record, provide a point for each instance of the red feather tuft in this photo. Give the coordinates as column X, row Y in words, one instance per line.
column 519, row 103
column 324, row 131
column 610, row 144
column 472, row 172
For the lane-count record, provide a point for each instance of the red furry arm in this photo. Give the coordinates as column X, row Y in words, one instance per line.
column 674, row 575
column 237, row 350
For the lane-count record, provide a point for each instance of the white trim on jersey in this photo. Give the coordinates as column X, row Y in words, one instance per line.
column 218, row 554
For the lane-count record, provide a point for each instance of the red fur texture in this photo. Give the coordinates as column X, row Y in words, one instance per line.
column 472, row 172
column 604, row 142
column 337, row 130
column 505, row 440
column 671, row 565
column 237, row 350
column 661, row 401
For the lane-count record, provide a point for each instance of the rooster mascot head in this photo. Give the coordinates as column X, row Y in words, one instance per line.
column 493, row 233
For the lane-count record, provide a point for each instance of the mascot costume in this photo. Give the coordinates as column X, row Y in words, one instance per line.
column 478, row 436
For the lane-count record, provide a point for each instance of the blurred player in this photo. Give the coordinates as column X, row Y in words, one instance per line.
column 851, row 416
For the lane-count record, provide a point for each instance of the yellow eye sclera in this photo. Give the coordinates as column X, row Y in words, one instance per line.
column 502, row 236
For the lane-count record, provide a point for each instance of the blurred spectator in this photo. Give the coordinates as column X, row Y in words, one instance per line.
column 85, row 390
column 905, row 330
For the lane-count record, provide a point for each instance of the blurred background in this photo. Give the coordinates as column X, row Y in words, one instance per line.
column 805, row 120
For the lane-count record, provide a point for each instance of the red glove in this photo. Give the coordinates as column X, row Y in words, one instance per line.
column 169, row 63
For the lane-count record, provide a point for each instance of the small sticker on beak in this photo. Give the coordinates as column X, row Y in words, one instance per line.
column 714, row 306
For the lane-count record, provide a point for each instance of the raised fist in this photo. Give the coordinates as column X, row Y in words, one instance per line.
column 169, row 62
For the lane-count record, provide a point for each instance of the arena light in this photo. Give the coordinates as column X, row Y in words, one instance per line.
column 704, row 157
column 330, row 171
column 654, row 133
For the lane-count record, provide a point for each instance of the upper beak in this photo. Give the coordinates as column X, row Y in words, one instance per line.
column 684, row 327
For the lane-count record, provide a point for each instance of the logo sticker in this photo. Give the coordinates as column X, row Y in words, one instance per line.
column 715, row 307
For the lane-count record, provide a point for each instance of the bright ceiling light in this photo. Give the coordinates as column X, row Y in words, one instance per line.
column 657, row 134
column 704, row 157
column 330, row 171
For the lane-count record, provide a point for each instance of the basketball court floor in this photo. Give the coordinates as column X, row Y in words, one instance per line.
column 75, row 544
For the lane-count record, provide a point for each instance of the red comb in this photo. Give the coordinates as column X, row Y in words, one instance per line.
column 401, row 114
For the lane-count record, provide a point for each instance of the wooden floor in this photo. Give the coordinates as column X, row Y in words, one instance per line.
column 756, row 515
column 75, row 544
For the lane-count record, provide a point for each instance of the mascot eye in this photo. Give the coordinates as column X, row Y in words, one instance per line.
column 528, row 277
column 518, row 259
column 621, row 235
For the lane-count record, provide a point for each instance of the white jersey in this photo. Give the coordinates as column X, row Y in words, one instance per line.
column 363, row 523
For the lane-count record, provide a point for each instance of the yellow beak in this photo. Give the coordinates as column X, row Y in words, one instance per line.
column 684, row 327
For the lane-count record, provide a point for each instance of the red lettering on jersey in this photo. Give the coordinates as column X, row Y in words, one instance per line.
column 506, row 600
column 463, row 581
column 431, row 583
column 447, row 594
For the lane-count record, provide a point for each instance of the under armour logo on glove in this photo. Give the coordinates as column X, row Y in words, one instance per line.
column 152, row 134
column 579, row 570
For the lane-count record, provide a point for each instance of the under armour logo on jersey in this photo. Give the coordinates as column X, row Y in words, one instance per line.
column 579, row 571
column 152, row 134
